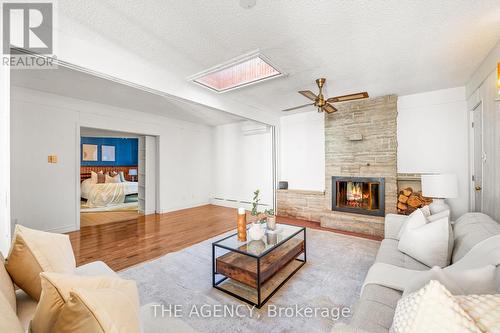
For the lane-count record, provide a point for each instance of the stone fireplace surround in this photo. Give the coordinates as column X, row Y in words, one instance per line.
column 360, row 141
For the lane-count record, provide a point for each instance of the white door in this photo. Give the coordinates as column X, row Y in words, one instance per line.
column 147, row 175
column 479, row 157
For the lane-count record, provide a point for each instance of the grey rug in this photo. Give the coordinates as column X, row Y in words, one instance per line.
column 331, row 279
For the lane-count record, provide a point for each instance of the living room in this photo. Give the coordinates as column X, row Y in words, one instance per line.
column 332, row 168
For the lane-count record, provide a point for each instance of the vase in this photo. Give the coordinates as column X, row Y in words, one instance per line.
column 271, row 222
column 256, row 231
column 242, row 225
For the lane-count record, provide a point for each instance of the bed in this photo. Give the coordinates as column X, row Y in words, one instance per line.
column 107, row 193
column 87, row 186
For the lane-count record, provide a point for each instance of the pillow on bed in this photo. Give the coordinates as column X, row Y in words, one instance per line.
column 122, row 176
column 113, row 179
column 93, row 177
column 101, row 178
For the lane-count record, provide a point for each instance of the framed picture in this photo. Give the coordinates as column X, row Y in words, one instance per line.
column 89, row 152
column 108, row 153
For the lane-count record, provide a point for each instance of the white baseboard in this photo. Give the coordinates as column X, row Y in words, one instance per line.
column 175, row 208
column 63, row 229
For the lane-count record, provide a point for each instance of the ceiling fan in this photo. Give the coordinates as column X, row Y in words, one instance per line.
column 324, row 104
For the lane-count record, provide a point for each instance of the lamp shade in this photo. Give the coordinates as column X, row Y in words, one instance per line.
column 440, row 186
column 132, row 172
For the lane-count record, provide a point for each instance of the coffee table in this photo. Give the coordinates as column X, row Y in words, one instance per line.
column 254, row 270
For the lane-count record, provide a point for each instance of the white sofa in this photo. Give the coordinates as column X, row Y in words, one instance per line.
column 374, row 311
column 26, row 305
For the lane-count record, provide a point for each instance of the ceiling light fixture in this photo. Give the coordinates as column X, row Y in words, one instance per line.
column 238, row 72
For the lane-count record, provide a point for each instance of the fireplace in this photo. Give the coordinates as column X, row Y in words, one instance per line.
column 361, row 195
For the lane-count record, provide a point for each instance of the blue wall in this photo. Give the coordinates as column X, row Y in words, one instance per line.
column 126, row 151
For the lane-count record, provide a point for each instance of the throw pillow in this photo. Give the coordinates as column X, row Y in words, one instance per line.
column 484, row 309
column 6, row 285
column 93, row 177
column 122, row 176
column 426, row 210
column 33, row 252
column 56, row 289
column 428, row 243
column 9, row 323
column 101, row 178
column 414, row 220
column 113, row 179
column 437, row 216
column 458, row 282
column 107, row 310
column 432, row 309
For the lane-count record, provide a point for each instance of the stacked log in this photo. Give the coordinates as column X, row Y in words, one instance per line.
column 409, row 201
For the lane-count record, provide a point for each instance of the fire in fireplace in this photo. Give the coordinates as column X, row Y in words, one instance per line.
column 362, row 195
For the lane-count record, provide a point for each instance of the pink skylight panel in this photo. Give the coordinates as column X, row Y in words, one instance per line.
column 237, row 75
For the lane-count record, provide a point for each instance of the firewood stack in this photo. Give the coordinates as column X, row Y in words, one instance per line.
column 409, row 201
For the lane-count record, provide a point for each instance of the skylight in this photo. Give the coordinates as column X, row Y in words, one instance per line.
column 237, row 73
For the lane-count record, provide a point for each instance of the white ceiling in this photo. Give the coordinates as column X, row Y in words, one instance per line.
column 383, row 47
column 75, row 84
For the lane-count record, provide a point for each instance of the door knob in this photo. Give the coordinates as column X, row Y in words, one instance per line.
column 478, row 188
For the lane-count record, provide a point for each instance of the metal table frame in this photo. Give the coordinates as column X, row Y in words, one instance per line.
column 260, row 302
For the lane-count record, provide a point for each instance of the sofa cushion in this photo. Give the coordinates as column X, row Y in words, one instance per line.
column 95, row 268
column 388, row 253
column 471, row 229
column 56, row 289
column 414, row 220
column 429, row 243
column 33, row 252
column 375, row 309
column 8, row 322
column 393, row 224
column 107, row 310
column 26, row 307
column 477, row 281
column 6, row 285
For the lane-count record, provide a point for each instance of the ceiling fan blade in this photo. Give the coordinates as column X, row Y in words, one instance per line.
column 309, row 94
column 297, row 107
column 328, row 108
column 349, row 97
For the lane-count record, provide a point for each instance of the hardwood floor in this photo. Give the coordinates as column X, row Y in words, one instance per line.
column 93, row 219
column 128, row 243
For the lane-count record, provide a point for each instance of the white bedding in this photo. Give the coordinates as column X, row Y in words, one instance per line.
column 106, row 193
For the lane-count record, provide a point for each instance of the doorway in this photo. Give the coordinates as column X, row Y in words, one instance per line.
column 116, row 170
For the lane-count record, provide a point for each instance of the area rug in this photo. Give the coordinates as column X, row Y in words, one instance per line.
column 331, row 279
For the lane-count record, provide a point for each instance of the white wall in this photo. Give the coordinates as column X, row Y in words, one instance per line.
column 44, row 124
column 302, row 151
column 4, row 157
column 241, row 164
column 432, row 138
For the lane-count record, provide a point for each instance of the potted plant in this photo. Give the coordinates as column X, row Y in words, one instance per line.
column 258, row 216
column 256, row 231
column 271, row 219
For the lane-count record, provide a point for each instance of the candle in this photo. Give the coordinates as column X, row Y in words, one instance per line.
column 242, row 225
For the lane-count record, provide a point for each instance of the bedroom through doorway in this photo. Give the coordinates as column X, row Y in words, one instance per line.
column 111, row 167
